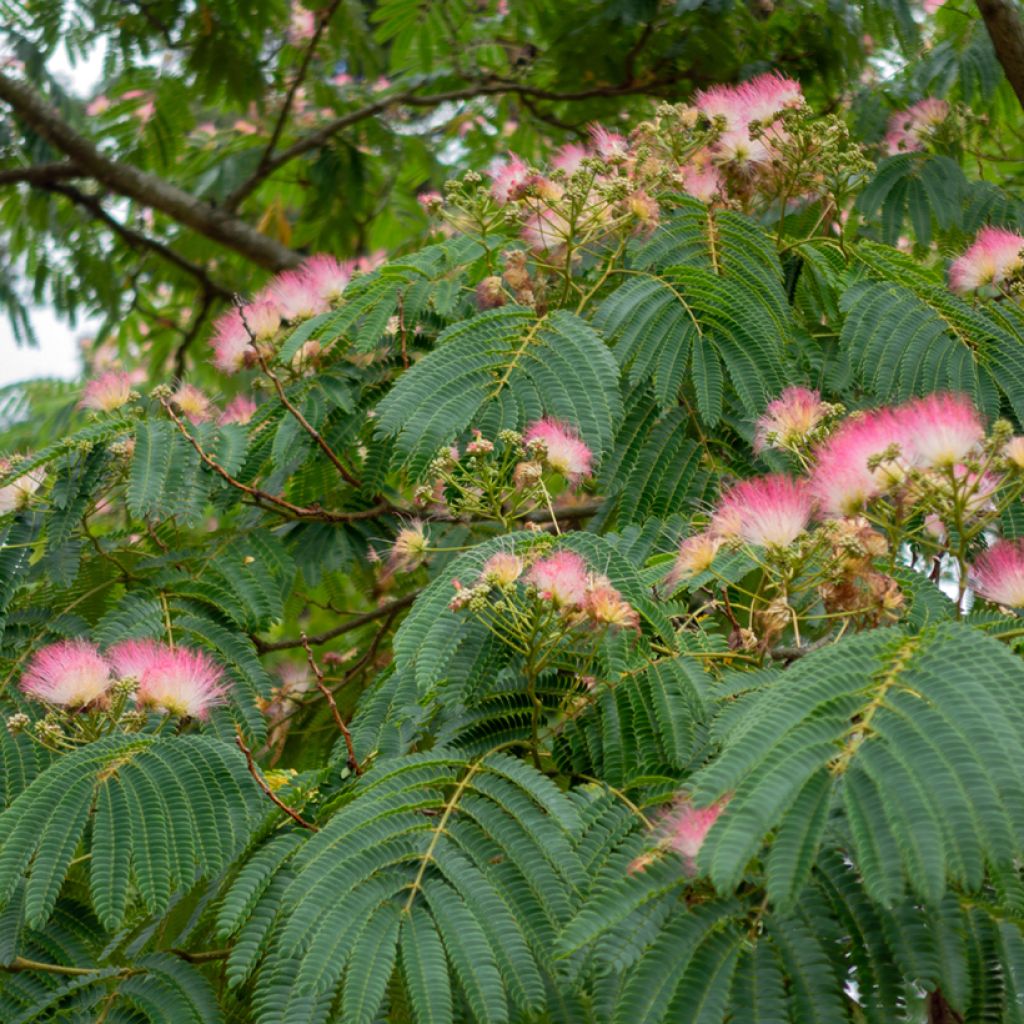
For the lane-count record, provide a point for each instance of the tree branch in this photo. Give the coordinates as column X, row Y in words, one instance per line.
column 265, row 786
column 219, row 225
column 265, row 646
column 137, row 240
column 353, row 761
column 1007, row 34
column 40, row 174
column 410, row 98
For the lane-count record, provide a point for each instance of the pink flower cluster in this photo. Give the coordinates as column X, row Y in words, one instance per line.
column 561, row 580
column 293, row 295
column 910, row 129
column 992, row 258
column 172, row 680
column 18, row 493
column 683, row 828
column 107, row 392
column 998, row 573
column 761, row 99
column 868, row 455
column 563, row 450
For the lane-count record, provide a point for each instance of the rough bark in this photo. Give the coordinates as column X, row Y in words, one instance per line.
column 216, row 224
column 1002, row 19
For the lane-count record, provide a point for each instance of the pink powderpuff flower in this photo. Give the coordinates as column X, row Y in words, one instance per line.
column 565, row 452
column 725, row 101
column 940, row 429
column 977, row 490
column 909, row 129
column 328, row 276
column 431, row 202
column 695, row 555
column 789, row 419
column 702, row 182
column 180, row 681
column 769, row 94
column 502, row 569
column 1013, row 451
column 685, row 827
column 410, row 548
column 17, row 494
column 240, row 409
column 609, row 146
column 769, row 510
column 231, row 343
column 570, row 157
column 301, row 25
column 842, row 482
column 607, row 607
column 107, row 392
column 931, row 6
column 100, row 105
column 296, row 295
column 71, row 674
column 998, row 573
column 131, row 658
column 193, row 403
column 560, row 578
column 509, row 179
column 262, row 319
column 994, row 256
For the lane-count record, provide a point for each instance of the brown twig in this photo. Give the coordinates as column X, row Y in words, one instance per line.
column 259, row 173
column 353, row 761
column 284, row 400
column 265, row 646
column 265, row 497
column 264, row 785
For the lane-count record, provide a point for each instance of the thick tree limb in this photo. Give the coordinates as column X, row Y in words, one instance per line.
column 216, row 224
column 137, row 240
column 1002, row 19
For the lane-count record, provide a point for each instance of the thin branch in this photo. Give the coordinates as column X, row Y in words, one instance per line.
column 137, row 240
column 40, row 174
column 411, row 98
column 283, row 398
column 353, row 761
column 216, row 224
column 266, row 646
column 206, row 301
column 264, row 785
column 265, row 497
column 275, row 136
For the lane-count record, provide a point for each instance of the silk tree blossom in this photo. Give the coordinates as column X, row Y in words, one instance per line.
column 195, row 405
column 909, row 129
column 130, row 658
column 1013, row 451
column 994, row 256
column 570, row 157
column 509, row 179
column 703, row 182
column 18, row 493
column 789, row 419
column 240, row 409
column 564, row 452
column 231, row 342
column 70, row 673
column 546, row 230
column 560, row 578
column 107, row 392
column 998, row 573
column 409, row 549
column 180, row 681
column 296, row 295
column 328, row 276
column 685, row 827
column 940, row 429
column 696, row 555
column 766, row 511
column 610, row 146
column 606, row 606
column 977, row 490
column 502, row 569
column 843, row 481
column 262, row 319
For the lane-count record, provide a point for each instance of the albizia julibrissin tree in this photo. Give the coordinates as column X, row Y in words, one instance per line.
column 608, row 612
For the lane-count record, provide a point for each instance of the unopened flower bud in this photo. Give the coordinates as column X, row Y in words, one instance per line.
column 16, row 723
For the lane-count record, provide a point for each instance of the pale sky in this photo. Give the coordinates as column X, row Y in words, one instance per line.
column 57, row 354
